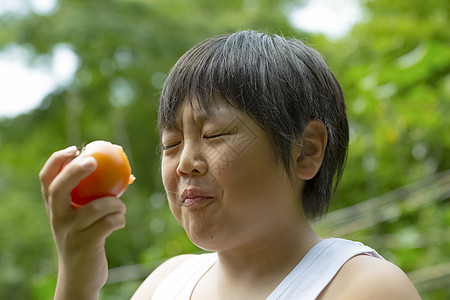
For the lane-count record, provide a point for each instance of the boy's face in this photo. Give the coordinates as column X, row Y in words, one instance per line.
column 224, row 184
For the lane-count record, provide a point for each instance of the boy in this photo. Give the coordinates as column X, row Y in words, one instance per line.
column 254, row 138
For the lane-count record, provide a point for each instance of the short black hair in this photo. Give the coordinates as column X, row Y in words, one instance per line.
column 280, row 83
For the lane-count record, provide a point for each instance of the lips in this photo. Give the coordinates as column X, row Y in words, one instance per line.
column 195, row 198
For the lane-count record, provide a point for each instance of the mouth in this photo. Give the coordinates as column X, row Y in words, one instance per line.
column 195, row 198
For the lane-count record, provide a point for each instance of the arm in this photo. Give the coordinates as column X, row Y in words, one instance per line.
column 79, row 234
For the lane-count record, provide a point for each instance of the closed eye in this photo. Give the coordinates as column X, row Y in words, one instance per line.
column 213, row 136
column 169, row 146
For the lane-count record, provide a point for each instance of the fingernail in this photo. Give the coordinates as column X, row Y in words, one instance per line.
column 71, row 149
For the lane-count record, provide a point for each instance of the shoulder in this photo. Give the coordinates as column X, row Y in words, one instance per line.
column 367, row 277
column 147, row 288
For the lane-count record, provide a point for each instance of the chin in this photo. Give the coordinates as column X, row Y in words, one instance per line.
column 206, row 241
column 204, row 247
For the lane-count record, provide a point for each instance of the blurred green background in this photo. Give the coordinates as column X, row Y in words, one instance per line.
column 394, row 67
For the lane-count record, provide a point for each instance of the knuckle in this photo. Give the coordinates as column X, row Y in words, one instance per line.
column 94, row 209
column 55, row 220
column 53, row 156
column 95, row 206
column 116, row 220
column 111, row 219
column 122, row 207
column 52, row 188
column 41, row 175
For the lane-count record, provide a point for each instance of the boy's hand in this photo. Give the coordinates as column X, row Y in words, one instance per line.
column 79, row 234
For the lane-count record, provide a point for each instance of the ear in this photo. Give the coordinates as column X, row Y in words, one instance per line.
column 310, row 150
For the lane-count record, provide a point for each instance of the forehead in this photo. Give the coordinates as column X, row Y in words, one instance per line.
column 198, row 111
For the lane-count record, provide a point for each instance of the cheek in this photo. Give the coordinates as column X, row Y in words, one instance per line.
column 169, row 179
column 255, row 173
column 168, row 174
column 176, row 211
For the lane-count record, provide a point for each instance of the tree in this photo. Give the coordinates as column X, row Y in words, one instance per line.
column 394, row 70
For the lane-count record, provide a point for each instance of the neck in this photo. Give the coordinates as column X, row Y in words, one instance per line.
column 276, row 256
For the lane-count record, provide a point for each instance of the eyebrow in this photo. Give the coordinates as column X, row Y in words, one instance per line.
column 200, row 116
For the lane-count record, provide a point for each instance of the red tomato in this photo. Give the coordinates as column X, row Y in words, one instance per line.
column 111, row 177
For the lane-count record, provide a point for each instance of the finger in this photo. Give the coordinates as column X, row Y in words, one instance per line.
column 95, row 210
column 99, row 231
column 107, row 225
column 52, row 167
column 67, row 180
column 103, row 227
column 111, row 223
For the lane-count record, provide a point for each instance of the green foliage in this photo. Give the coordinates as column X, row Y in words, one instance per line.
column 393, row 67
column 394, row 71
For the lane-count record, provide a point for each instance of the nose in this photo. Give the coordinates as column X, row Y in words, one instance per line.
column 192, row 160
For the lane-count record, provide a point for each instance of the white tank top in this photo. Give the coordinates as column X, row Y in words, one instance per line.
column 305, row 281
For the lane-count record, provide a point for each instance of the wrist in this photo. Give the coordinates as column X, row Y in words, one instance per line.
column 78, row 282
column 67, row 292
